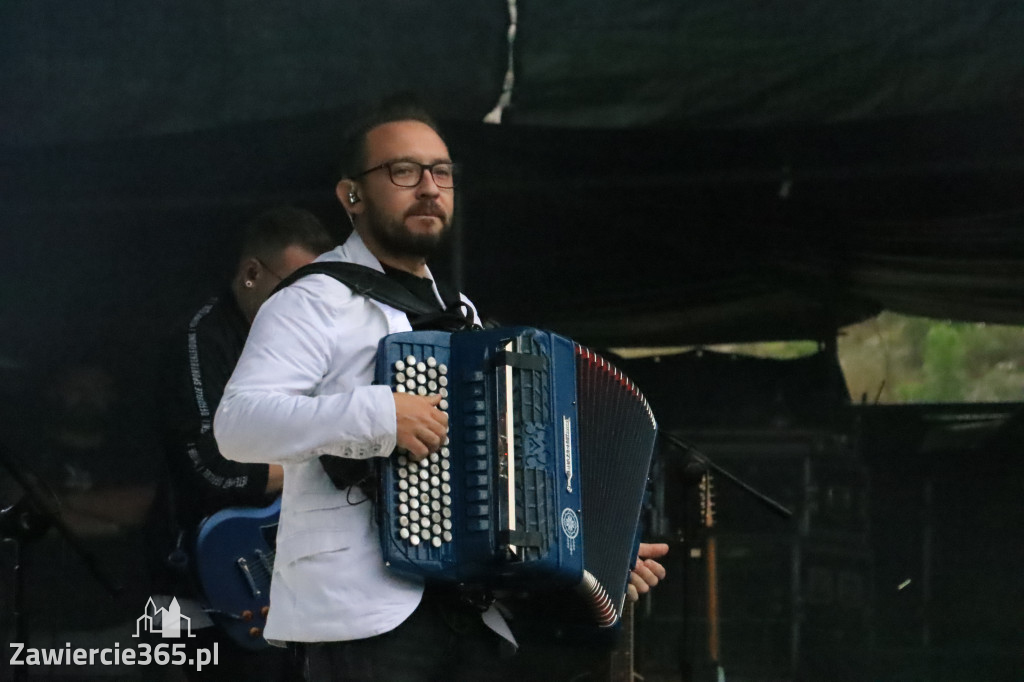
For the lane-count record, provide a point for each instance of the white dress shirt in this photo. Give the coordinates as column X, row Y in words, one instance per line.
column 301, row 389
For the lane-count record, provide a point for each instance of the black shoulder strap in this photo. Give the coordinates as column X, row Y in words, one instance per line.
column 378, row 286
column 450, row 295
column 366, row 282
column 344, row 472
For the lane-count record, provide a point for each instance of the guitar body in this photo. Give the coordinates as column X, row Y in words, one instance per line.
column 234, row 561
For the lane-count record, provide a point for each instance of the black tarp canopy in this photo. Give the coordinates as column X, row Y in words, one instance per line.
column 663, row 172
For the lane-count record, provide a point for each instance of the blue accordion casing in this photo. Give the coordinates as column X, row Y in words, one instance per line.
column 475, row 516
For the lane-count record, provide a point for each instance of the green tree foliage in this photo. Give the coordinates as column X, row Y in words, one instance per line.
column 897, row 359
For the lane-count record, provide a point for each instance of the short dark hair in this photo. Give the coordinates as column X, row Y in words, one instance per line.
column 402, row 107
column 275, row 229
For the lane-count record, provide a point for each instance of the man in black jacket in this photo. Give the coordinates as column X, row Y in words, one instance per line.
column 198, row 362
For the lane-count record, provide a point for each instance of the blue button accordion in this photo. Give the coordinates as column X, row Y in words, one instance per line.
column 540, row 483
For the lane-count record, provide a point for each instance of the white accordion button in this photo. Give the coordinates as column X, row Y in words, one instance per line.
column 424, row 492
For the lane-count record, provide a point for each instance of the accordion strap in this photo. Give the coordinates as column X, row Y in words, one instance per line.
column 366, row 282
column 378, row 286
column 374, row 284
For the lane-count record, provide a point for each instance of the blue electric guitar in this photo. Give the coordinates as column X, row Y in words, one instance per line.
column 234, row 560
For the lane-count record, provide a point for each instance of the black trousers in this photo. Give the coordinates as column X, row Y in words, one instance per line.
column 235, row 664
column 444, row 640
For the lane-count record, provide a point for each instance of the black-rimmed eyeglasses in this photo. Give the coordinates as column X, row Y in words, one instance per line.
column 410, row 173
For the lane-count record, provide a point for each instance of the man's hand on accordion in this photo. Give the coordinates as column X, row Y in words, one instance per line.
column 422, row 427
column 647, row 572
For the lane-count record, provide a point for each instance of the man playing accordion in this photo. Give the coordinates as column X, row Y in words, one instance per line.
column 303, row 388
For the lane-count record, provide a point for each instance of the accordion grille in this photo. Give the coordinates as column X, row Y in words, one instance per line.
column 534, row 511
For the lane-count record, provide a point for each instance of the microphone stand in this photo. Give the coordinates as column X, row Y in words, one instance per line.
column 29, row 519
column 700, row 463
column 697, row 465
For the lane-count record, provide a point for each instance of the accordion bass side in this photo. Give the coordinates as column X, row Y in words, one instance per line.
column 540, row 483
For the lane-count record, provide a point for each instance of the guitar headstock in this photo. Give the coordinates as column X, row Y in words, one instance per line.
column 707, row 500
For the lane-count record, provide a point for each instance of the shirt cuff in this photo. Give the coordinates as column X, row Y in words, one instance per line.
column 379, row 416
